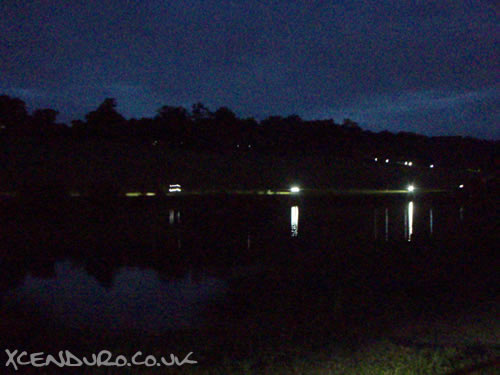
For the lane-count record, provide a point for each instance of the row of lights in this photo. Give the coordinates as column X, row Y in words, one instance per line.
column 407, row 163
column 293, row 190
column 410, row 188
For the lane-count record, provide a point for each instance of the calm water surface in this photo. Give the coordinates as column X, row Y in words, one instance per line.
column 152, row 266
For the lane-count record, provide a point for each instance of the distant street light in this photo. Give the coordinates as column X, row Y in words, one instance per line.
column 411, row 188
column 294, row 189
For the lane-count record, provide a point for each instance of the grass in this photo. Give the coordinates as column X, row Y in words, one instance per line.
column 379, row 358
column 461, row 344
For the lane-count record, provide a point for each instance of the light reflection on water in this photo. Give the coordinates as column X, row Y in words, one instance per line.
column 295, row 221
column 410, row 220
column 139, row 298
column 407, row 222
column 387, row 224
column 409, row 212
column 431, row 221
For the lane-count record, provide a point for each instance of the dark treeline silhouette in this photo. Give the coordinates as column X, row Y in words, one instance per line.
column 223, row 131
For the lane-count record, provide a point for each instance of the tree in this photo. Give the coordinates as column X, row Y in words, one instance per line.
column 105, row 120
column 224, row 114
column 13, row 114
column 228, row 129
column 172, row 122
column 200, row 112
column 45, row 116
column 175, row 114
column 351, row 125
column 43, row 123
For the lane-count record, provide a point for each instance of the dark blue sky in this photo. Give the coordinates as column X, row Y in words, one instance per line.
column 413, row 65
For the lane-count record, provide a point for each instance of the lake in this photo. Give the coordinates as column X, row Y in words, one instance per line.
column 149, row 266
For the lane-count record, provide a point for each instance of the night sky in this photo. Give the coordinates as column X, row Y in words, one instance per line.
column 425, row 66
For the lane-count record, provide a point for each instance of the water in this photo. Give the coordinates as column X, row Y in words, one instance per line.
column 137, row 299
column 152, row 266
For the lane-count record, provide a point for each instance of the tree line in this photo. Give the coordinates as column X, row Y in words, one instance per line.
column 223, row 131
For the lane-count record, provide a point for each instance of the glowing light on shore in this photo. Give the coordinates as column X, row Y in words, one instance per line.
column 387, row 160
column 173, row 188
column 295, row 189
column 431, row 166
column 133, row 194
column 411, row 188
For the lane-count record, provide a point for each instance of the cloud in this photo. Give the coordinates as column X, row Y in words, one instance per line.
column 371, row 59
column 410, row 101
column 429, row 112
column 427, row 100
column 24, row 93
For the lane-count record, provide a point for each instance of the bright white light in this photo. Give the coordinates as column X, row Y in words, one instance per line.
column 406, row 163
column 387, row 160
column 461, row 186
column 294, row 189
column 411, row 188
column 174, row 188
column 431, row 166
column 410, row 163
column 376, row 159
